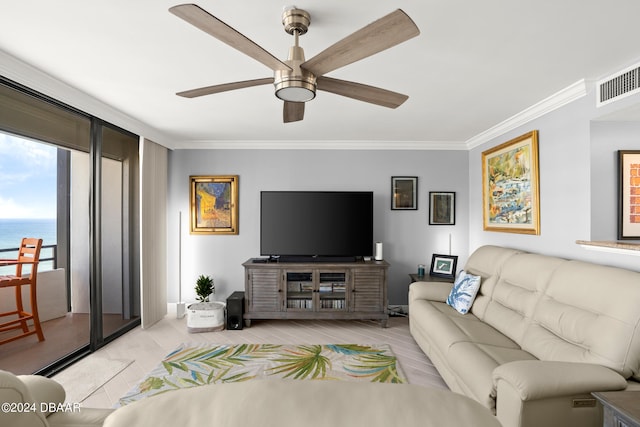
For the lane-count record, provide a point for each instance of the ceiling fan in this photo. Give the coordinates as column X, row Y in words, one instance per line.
column 296, row 79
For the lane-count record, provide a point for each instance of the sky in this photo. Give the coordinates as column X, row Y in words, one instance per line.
column 27, row 178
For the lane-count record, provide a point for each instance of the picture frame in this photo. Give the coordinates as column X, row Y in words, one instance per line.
column 443, row 266
column 510, row 186
column 404, row 193
column 628, row 194
column 213, row 204
column 442, row 208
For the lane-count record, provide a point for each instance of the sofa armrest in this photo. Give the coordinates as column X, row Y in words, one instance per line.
column 432, row 291
column 43, row 390
column 25, row 411
column 537, row 379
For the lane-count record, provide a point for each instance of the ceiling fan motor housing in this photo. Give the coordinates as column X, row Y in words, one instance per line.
column 297, row 84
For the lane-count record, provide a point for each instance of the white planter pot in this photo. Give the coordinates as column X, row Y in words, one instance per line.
column 205, row 316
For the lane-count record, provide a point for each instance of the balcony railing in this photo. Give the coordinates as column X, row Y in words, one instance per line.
column 48, row 257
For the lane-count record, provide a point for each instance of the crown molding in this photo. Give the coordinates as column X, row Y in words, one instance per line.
column 547, row 105
column 322, row 145
column 33, row 78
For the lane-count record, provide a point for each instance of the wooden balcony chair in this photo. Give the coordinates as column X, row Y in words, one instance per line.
column 28, row 255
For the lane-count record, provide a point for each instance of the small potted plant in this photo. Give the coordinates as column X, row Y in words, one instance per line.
column 204, row 288
column 205, row 315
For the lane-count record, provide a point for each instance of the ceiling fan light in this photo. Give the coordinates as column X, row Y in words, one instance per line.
column 295, row 94
column 295, row 88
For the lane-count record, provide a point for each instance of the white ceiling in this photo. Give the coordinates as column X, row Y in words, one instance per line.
column 474, row 65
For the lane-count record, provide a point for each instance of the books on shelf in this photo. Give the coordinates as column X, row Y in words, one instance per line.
column 300, row 286
column 332, row 289
column 306, row 304
column 336, row 304
column 323, row 288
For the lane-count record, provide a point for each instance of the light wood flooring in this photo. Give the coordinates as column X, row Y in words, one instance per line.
column 147, row 347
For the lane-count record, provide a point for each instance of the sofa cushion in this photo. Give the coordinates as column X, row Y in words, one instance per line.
column 464, row 292
column 487, row 262
column 521, row 282
column 589, row 313
column 446, row 326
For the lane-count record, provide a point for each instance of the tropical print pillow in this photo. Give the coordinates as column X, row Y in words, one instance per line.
column 464, row 292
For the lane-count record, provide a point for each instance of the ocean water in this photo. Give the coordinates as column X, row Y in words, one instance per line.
column 13, row 230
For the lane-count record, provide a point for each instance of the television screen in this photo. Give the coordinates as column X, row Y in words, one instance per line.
column 316, row 223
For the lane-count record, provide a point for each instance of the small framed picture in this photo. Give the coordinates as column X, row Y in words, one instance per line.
column 404, row 191
column 444, row 266
column 442, row 208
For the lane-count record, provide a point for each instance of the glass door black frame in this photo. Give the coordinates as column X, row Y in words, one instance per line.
column 97, row 338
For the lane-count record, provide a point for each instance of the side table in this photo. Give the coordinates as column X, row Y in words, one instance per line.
column 621, row 408
column 427, row 278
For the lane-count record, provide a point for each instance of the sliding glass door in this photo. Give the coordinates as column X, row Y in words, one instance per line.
column 96, row 221
column 119, row 231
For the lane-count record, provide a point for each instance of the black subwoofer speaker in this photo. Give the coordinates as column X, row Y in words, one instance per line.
column 235, row 310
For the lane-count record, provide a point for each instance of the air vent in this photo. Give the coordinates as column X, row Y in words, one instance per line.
column 619, row 85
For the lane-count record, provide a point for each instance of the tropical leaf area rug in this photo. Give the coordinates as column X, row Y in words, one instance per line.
column 192, row 365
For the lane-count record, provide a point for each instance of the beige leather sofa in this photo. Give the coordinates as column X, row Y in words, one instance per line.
column 35, row 401
column 542, row 334
column 294, row 403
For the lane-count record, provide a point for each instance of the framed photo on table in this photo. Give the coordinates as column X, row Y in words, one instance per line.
column 214, row 204
column 443, row 266
column 629, row 194
column 442, row 208
column 404, row 193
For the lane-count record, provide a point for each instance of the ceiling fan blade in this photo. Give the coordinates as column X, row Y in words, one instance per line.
column 209, row 90
column 361, row 92
column 208, row 23
column 293, row 111
column 382, row 34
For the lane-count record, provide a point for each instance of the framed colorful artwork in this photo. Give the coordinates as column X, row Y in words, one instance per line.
column 214, row 204
column 510, row 186
column 404, row 192
column 442, row 208
column 629, row 194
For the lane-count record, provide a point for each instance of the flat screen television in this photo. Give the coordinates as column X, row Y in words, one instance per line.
column 316, row 223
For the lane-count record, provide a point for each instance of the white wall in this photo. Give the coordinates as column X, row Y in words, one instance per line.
column 407, row 237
